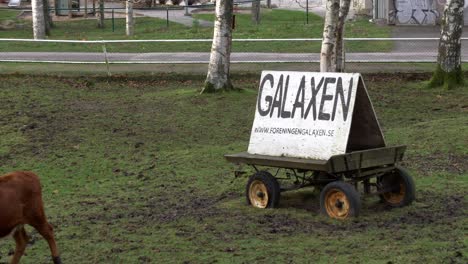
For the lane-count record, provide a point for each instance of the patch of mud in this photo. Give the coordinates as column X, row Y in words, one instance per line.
column 430, row 208
column 166, row 208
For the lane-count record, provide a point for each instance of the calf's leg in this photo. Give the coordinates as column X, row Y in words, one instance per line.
column 37, row 219
column 46, row 231
column 21, row 239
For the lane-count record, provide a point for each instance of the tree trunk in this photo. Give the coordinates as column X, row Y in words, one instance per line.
column 269, row 4
column 85, row 9
column 327, row 53
column 70, row 14
column 340, row 51
column 48, row 23
column 38, row 19
column 56, row 6
column 129, row 16
column 255, row 12
column 218, row 78
column 100, row 14
column 448, row 72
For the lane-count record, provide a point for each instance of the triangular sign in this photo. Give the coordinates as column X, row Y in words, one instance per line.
column 365, row 129
column 313, row 115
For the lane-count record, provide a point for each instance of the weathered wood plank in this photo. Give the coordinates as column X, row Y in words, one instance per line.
column 345, row 162
column 279, row 162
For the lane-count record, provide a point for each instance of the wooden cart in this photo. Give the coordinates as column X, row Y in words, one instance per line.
column 322, row 130
column 339, row 178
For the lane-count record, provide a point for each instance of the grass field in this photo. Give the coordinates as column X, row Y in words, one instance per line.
column 133, row 172
column 238, row 68
column 275, row 24
column 8, row 15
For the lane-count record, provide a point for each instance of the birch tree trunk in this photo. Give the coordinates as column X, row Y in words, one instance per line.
column 38, row 19
column 327, row 53
column 448, row 72
column 129, row 16
column 332, row 55
column 100, row 14
column 218, row 78
column 255, row 12
column 340, row 51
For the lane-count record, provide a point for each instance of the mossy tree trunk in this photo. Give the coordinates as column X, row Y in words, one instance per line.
column 332, row 55
column 218, row 78
column 448, row 73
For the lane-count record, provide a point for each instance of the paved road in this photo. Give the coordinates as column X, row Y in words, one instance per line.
column 421, row 32
column 203, row 57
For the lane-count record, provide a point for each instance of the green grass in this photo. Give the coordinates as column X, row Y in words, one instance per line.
column 150, row 69
column 132, row 171
column 8, row 15
column 275, row 24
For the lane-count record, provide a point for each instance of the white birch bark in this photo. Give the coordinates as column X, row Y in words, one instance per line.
column 449, row 57
column 129, row 17
column 328, row 50
column 449, row 73
column 38, row 19
column 340, row 51
column 218, row 69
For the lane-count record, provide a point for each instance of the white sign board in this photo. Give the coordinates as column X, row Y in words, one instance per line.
column 305, row 114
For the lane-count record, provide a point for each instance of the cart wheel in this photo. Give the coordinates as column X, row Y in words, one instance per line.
column 404, row 189
column 263, row 190
column 340, row 200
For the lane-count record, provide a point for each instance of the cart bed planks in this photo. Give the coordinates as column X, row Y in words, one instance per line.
column 357, row 160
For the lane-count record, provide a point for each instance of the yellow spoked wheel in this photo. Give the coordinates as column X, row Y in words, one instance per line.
column 263, row 190
column 340, row 200
column 400, row 185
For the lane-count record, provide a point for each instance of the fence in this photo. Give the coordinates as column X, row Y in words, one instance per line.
column 196, row 51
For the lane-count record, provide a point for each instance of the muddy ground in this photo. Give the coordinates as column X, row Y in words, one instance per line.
column 133, row 172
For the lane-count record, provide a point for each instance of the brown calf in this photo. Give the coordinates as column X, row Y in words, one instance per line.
column 21, row 204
